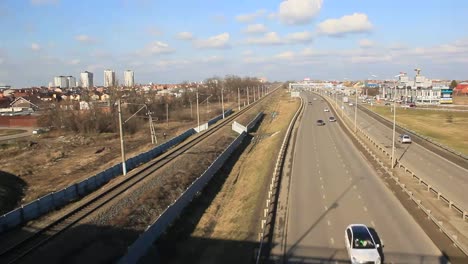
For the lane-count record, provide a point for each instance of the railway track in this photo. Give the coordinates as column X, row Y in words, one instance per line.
column 94, row 201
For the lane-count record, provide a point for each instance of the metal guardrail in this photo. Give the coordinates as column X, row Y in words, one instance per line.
column 273, row 191
column 427, row 139
column 410, row 194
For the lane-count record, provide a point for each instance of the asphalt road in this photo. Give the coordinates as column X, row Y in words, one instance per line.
column 447, row 177
column 332, row 186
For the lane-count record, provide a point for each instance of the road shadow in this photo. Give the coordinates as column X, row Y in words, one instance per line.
column 334, row 205
column 178, row 245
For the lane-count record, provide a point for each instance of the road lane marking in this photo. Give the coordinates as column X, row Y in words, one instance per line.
column 354, row 187
column 322, row 186
column 372, row 223
column 321, row 178
column 347, row 171
column 359, row 196
column 365, row 209
column 329, row 223
column 326, row 208
column 323, row 196
column 332, row 241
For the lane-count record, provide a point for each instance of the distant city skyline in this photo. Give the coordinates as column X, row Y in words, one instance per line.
column 322, row 39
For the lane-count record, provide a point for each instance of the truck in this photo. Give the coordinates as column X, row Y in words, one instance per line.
column 345, row 99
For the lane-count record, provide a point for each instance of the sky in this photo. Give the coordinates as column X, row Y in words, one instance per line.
column 175, row 41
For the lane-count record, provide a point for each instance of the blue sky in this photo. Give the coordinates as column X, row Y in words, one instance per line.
column 174, row 41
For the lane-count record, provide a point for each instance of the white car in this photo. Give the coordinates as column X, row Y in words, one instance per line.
column 326, row 110
column 361, row 245
column 405, row 139
column 351, row 104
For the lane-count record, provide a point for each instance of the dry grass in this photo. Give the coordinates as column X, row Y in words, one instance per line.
column 460, row 100
column 8, row 132
column 55, row 160
column 234, row 213
column 447, row 127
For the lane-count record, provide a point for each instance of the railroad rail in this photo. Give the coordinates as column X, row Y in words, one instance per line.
column 103, row 196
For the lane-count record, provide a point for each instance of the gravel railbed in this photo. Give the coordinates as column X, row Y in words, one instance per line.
column 106, row 236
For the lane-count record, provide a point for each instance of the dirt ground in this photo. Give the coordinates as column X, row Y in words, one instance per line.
column 222, row 226
column 34, row 166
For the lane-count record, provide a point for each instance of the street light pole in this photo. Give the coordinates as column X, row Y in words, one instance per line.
column 191, row 109
column 122, row 146
column 393, row 136
column 355, row 113
column 248, row 99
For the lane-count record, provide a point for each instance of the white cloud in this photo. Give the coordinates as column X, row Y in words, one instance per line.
column 158, row 47
column 255, row 28
column 44, row 2
column 35, row 47
column 355, row 23
column 247, row 52
column 220, row 41
column 295, row 12
column 270, row 38
column 245, row 18
column 154, row 31
column 366, row 43
column 84, row 39
column 301, row 37
column 212, row 59
column 184, row 35
column 74, row 62
column 287, row 55
column 370, row 58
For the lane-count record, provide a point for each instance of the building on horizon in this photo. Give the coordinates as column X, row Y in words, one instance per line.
column 61, row 81
column 86, row 79
column 109, row 78
column 71, row 82
column 129, row 78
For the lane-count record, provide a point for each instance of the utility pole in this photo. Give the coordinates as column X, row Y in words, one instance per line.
column 122, row 146
column 238, row 98
column 191, row 110
column 248, row 100
column 198, row 114
column 167, row 114
column 222, row 101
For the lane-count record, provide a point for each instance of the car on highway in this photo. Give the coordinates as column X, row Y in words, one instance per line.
column 404, row 139
column 361, row 245
column 320, row 122
column 326, row 110
column 332, row 119
column 310, row 102
column 412, row 105
column 387, row 103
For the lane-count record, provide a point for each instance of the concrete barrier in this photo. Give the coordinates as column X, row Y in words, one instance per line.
column 139, row 248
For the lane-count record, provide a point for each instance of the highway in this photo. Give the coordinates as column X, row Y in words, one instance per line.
column 332, row 186
column 447, row 177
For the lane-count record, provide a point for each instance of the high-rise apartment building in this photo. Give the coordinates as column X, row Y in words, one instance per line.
column 71, row 82
column 109, row 78
column 129, row 78
column 61, row 81
column 87, row 79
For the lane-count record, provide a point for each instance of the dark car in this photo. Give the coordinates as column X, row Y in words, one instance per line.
column 332, row 119
column 320, row 122
column 412, row 105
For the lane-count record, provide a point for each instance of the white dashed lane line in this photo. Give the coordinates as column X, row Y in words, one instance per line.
column 332, row 241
